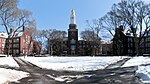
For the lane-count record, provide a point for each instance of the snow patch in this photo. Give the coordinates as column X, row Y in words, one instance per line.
column 9, row 61
column 8, row 75
column 143, row 64
column 143, row 73
column 68, row 78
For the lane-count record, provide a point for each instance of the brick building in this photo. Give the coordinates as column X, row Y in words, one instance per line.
column 20, row 44
column 2, row 42
column 145, row 46
column 123, row 44
column 36, row 47
column 107, row 48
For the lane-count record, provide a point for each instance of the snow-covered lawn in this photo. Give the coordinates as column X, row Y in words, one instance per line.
column 143, row 70
column 135, row 61
column 8, row 61
column 73, row 63
column 91, row 63
column 8, row 75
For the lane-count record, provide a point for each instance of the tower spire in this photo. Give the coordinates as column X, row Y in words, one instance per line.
column 73, row 17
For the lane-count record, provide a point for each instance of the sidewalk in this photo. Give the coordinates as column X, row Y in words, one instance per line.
column 113, row 74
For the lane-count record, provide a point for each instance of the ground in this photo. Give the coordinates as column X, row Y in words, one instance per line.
column 112, row 74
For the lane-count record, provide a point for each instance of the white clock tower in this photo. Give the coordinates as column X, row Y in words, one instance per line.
column 73, row 17
column 72, row 35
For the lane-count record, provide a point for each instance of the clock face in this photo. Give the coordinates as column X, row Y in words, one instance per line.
column 72, row 34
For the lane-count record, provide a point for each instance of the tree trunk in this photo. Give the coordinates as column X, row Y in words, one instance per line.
column 8, row 52
column 51, row 50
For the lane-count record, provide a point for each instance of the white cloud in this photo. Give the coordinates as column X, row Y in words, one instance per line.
column 147, row 1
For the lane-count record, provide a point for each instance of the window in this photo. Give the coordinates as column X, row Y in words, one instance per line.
column 148, row 39
column 16, row 40
column 73, row 41
column 80, row 46
column 26, row 37
column 16, row 51
column 130, row 51
column 10, row 41
column 3, row 45
column 3, row 40
column 147, row 50
column 10, row 46
column 147, row 45
column 129, row 39
column 80, row 42
column 16, row 45
column 73, row 47
column 83, row 42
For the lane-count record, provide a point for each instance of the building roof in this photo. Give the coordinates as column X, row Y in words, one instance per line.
column 79, row 38
column 18, row 34
column 65, row 39
column 5, row 35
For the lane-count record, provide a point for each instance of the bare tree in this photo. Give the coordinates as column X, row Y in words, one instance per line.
column 54, row 39
column 12, row 17
column 110, row 22
column 42, row 36
column 87, row 35
column 95, row 41
column 33, row 33
column 33, row 29
column 133, row 15
column 95, row 29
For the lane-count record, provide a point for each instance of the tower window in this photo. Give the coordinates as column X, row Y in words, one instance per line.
column 73, row 41
column 73, row 47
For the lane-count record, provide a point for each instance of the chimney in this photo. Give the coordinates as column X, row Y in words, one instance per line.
column 121, row 28
column 23, row 28
column 11, row 30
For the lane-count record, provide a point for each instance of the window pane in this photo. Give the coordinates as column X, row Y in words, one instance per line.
column 73, row 41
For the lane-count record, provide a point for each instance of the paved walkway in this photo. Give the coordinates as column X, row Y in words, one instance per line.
column 117, row 64
column 113, row 74
column 37, row 75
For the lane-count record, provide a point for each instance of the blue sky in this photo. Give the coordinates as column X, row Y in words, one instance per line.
column 50, row 14
column 56, row 13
